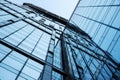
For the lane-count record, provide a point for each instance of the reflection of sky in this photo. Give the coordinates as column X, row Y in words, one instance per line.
column 89, row 20
column 64, row 8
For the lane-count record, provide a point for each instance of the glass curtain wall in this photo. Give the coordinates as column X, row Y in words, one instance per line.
column 101, row 20
column 88, row 60
column 29, row 44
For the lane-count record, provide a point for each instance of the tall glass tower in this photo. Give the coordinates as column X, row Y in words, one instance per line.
column 38, row 45
column 101, row 20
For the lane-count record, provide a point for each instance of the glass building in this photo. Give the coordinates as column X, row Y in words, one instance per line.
column 38, row 45
column 101, row 20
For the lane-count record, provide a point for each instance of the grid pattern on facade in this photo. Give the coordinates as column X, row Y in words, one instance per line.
column 100, row 19
column 27, row 43
column 35, row 45
column 88, row 61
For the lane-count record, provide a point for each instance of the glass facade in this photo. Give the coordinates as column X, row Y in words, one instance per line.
column 38, row 45
column 88, row 60
column 100, row 19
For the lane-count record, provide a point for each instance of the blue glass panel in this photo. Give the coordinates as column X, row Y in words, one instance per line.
column 32, row 70
column 100, row 33
column 109, row 17
column 72, row 59
column 6, row 74
column 116, row 22
column 56, row 76
column 17, row 37
column 11, row 65
column 2, row 13
column 100, row 77
column 3, row 51
column 13, row 61
column 42, row 46
column 116, row 51
column 57, row 56
column 107, row 77
column 5, row 31
column 19, row 9
column 108, row 39
column 29, row 43
column 6, row 17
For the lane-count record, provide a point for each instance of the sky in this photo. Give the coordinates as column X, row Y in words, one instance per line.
column 63, row 8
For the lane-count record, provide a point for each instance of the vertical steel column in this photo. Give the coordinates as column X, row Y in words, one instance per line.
column 66, row 61
column 47, row 73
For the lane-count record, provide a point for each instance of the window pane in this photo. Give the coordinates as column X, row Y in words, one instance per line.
column 32, row 69
column 56, row 76
column 6, row 75
column 42, row 46
column 3, row 51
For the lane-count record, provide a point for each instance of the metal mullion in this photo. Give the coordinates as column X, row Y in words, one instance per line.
column 57, row 42
column 99, row 26
column 102, row 66
column 85, row 20
column 8, row 11
column 49, row 72
column 87, row 66
column 41, row 74
column 13, row 10
column 116, row 31
column 21, row 69
column 15, row 4
column 103, row 36
column 31, row 66
column 72, row 51
column 115, row 42
column 51, row 44
column 109, row 68
column 112, row 5
column 96, row 31
column 90, row 54
column 5, row 56
column 4, row 14
column 107, row 72
column 23, row 52
column 90, row 61
column 98, row 71
column 97, row 54
column 98, row 16
column 89, row 21
column 103, row 18
column 107, row 30
column 94, row 63
column 116, row 12
column 15, row 31
column 90, row 49
column 26, row 54
column 96, row 68
column 99, row 22
column 108, row 57
column 37, row 42
column 9, row 23
column 68, row 45
column 77, row 66
column 36, row 45
column 37, row 26
column 26, row 36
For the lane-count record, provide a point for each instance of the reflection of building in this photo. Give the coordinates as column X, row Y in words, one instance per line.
column 38, row 45
column 101, row 20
